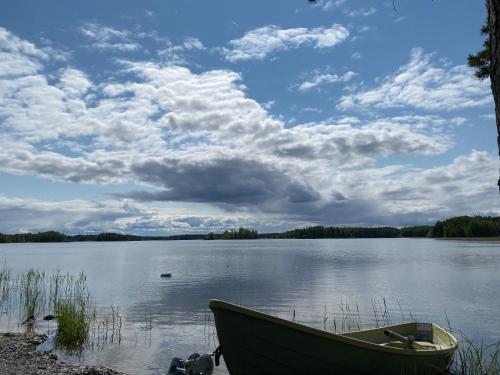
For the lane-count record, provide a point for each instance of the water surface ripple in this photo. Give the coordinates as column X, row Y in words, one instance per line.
column 423, row 278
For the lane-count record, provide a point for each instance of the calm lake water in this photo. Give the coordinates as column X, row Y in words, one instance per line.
column 422, row 278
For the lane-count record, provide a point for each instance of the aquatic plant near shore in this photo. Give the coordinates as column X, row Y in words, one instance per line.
column 474, row 358
column 5, row 285
column 29, row 295
column 71, row 300
column 73, row 325
column 106, row 329
column 32, row 297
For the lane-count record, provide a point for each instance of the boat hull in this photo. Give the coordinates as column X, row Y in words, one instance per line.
column 258, row 344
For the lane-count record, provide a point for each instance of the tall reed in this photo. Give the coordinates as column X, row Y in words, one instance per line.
column 71, row 301
column 73, row 323
column 475, row 358
column 32, row 296
column 5, row 284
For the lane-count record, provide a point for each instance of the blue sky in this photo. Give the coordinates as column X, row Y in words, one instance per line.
column 162, row 117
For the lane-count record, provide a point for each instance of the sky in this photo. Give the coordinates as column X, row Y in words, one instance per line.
column 163, row 117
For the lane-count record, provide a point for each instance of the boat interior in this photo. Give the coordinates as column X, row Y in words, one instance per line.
column 411, row 336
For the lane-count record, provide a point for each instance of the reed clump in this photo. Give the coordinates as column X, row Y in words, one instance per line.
column 70, row 299
column 32, row 296
column 5, row 285
column 475, row 358
column 73, row 325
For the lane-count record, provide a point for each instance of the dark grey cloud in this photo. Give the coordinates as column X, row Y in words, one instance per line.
column 219, row 181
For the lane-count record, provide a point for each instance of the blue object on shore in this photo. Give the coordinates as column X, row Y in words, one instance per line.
column 48, row 345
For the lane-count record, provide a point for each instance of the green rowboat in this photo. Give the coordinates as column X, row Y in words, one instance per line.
column 254, row 343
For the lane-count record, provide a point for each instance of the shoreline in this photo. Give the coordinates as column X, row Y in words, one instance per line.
column 18, row 355
column 495, row 238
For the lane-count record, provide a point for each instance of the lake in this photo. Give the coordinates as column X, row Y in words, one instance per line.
column 424, row 279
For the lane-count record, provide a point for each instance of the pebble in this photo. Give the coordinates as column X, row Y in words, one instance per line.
column 18, row 356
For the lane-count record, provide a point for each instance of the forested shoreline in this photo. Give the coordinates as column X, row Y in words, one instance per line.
column 352, row 232
column 456, row 227
column 467, row 227
column 53, row 236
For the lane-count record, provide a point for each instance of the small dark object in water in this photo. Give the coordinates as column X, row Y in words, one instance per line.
column 49, row 317
column 166, row 275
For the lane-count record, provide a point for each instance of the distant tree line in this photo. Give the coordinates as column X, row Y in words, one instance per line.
column 461, row 226
column 105, row 237
column 240, row 234
column 467, row 226
column 53, row 236
column 50, row 236
column 352, row 232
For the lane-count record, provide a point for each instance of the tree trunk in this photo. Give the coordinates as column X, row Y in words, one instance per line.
column 494, row 24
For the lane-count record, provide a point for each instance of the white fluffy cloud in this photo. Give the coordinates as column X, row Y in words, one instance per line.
column 466, row 185
column 424, row 84
column 82, row 216
column 192, row 137
column 259, row 43
column 175, row 53
column 326, row 5
column 361, row 12
column 20, row 57
column 31, row 215
column 107, row 38
column 319, row 79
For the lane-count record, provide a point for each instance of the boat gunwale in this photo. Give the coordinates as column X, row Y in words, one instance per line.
column 218, row 304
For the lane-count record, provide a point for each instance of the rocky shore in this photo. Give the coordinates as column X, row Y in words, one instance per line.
column 19, row 357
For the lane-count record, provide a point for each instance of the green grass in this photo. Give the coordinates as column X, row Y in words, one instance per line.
column 73, row 325
column 32, row 296
column 70, row 299
column 475, row 358
column 5, row 284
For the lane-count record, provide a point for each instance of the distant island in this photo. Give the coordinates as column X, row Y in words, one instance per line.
column 455, row 227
